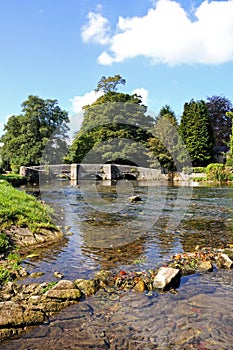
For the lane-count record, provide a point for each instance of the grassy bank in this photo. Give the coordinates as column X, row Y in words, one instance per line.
column 21, row 210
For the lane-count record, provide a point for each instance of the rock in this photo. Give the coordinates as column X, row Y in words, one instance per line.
column 57, row 274
column 205, row 266
column 139, row 286
column 103, row 278
column 64, row 284
column 36, row 274
column 225, row 261
column 88, row 287
column 134, row 199
column 64, row 290
column 166, row 277
column 11, row 314
column 63, row 294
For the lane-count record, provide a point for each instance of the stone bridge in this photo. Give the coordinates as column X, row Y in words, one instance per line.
column 88, row 171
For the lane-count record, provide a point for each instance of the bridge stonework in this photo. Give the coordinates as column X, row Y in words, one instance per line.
column 82, row 171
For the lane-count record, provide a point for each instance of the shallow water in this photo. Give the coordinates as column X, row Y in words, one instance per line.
column 110, row 232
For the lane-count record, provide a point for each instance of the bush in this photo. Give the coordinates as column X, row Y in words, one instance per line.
column 199, row 169
column 219, row 172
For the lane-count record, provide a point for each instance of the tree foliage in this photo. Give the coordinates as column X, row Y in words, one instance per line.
column 27, row 134
column 196, row 132
column 164, row 140
column 218, row 107
column 110, row 84
column 230, row 155
column 109, row 126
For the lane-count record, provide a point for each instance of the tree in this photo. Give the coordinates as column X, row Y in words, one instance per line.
column 164, row 140
column 196, row 132
column 230, row 155
column 114, row 129
column 110, row 84
column 218, row 107
column 42, row 123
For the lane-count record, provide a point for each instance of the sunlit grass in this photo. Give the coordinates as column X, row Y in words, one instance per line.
column 21, row 209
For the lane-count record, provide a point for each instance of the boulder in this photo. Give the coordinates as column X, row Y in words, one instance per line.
column 225, row 261
column 88, row 287
column 166, row 277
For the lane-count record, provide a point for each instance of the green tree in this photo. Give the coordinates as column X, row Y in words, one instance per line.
column 218, row 106
column 230, row 155
column 41, row 123
column 167, row 149
column 110, row 84
column 109, row 125
column 196, row 132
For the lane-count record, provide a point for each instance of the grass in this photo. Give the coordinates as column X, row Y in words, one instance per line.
column 5, row 244
column 49, row 286
column 21, row 209
column 14, row 179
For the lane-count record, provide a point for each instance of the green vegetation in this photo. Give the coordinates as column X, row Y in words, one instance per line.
column 27, row 134
column 230, row 156
column 49, row 286
column 21, row 209
column 218, row 108
column 219, row 172
column 196, row 132
column 199, row 169
column 14, row 179
column 5, row 244
column 118, row 128
column 115, row 127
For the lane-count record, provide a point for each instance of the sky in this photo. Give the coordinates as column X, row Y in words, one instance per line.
column 167, row 51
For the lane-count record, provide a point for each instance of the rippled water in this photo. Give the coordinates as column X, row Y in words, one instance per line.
column 110, row 232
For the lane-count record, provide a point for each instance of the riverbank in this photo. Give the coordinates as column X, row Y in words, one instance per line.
column 24, row 222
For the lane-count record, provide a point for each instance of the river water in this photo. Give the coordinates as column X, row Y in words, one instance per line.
column 107, row 231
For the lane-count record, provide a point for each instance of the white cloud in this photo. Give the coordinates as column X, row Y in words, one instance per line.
column 96, row 30
column 167, row 34
column 78, row 102
column 143, row 93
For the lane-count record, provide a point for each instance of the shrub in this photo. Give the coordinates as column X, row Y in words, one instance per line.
column 216, row 172
column 199, row 169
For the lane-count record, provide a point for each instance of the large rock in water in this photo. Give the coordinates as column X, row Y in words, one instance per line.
column 64, row 290
column 167, row 277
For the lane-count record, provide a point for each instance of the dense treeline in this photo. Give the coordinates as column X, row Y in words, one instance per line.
column 117, row 128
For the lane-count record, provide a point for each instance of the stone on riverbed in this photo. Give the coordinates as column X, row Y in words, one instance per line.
column 225, row 261
column 205, row 266
column 166, row 277
column 87, row 287
column 134, row 199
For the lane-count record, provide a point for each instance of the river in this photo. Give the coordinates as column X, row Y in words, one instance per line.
column 107, row 231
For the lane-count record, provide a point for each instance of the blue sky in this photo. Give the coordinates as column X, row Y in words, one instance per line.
column 171, row 51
